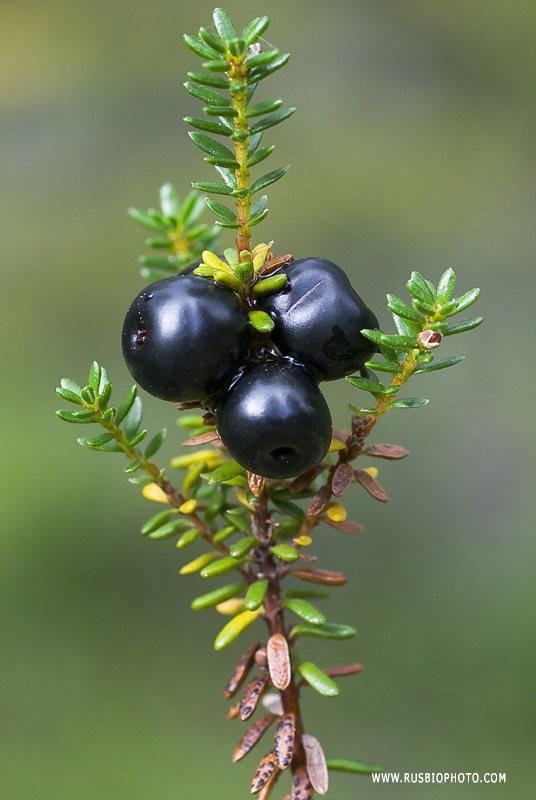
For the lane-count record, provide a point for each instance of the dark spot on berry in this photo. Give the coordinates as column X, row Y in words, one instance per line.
column 141, row 336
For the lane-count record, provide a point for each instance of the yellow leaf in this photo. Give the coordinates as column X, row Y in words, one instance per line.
column 188, row 507
column 197, row 564
column 336, row 512
column 212, row 260
column 153, row 492
column 233, row 606
column 336, row 445
column 372, row 471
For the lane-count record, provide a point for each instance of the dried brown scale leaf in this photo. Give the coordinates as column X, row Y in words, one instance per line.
column 261, row 659
column 342, row 436
column 284, row 739
column 256, row 483
column 242, row 668
column 343, row 478
column 324, row 577
column 233, row 711
column 390, row 451
column 252, row 695
column 319, row 502
column 252, row 736
column 265, row 772
column 209, row 418
column 344, row 527
column 340, row 672
column 316, row 764
column 279, row 661
column 308, row 558
column 371, row 485
column 188, row 406
column 267, row 790
column 203, row 438
column 273, row 263
column 304, row 481
column 301, row 785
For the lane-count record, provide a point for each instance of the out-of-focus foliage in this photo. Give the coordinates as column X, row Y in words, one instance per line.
column 414, row 131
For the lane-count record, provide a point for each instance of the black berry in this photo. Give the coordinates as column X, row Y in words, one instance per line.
column 184, row 337
column 274, row 420
column 318, row 319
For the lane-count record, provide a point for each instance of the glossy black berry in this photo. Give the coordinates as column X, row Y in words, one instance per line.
column 318, row 319
column 274, row 420
column 184, row 337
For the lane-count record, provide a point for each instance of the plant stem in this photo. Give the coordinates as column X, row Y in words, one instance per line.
column 238, row 75
column 274, row 614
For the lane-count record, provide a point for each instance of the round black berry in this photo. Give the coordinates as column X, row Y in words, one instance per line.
column 184, row 337
column 318, row 319
column 274, row 420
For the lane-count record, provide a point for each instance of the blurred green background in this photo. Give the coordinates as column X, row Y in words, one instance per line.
column 413, row 148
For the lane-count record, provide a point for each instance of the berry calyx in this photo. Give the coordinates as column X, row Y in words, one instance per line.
column 318, row 319
column 274, row 420
column 184, row 338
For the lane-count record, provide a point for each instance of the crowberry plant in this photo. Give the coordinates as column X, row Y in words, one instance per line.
column 241, row 340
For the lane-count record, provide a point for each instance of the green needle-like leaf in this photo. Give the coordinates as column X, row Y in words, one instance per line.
column 467, row 300
column 345, row 765
column 155, row 444
column 71, row 397
column 212, row 41
column 215, row 188
column 156, row 521
column 441, row 363
column 374, row 387
column 385, row 366
column 269, row 178
column 200, row 48
column 225, row 472
column 409, row 402
column 264, row 108
column 132, row 420
column 305, row 610
column 397, row 306
column 222, row 211
column 462, row 326
column 286, row 553
column 318, row 679
column 146, row 220
column 217, row 596
column 269, row 285
column 211, row 146
column 272, row 119
column 218, row 65
column 209, row 96
column 126, row 405
column 255, row 29
column 209, row 79
column 255, row 595
column 260, row 73
column 209, row 125
column 419, row 288
column 329, row 630
column 261, row 321
column 259, row 156
column 79, row 417
column 223, row 24
column 221, row 567
column 242, row 547
column 446, row 285
column 169, row 201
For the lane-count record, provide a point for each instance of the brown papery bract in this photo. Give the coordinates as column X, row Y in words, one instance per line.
column 279, row 661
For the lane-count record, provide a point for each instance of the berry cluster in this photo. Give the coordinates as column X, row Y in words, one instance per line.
column 188, row 339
